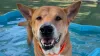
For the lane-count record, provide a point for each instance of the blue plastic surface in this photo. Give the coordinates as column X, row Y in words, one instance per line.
column 96, row 52
column 9, row 16
column 1, row 54
column 84, row 28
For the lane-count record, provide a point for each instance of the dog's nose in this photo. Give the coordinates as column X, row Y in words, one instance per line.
column 46, row 30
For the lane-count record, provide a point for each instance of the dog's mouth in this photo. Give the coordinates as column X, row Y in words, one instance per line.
column 49, row 42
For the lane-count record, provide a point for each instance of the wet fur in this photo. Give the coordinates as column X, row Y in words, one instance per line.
column 70, row 12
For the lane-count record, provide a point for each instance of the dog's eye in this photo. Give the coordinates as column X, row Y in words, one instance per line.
column 39, row 18
column 58, row 18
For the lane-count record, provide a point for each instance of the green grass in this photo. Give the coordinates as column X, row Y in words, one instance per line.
column 88, row 14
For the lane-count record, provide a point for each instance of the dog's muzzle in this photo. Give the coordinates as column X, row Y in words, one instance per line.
column 46, row 30
column 47, row 39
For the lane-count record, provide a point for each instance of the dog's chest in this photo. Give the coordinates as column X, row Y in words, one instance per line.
column 54, row 50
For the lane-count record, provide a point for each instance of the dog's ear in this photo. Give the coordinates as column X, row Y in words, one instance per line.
column 72, row 10
column 26, row 11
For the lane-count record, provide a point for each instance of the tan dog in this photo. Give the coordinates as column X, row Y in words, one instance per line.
column 47, row 28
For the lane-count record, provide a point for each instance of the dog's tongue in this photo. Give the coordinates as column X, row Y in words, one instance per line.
column 47, row 41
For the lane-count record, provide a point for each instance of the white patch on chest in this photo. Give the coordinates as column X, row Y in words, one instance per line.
column 54, row 50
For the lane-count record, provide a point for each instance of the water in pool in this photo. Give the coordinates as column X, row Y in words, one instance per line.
column 13, row 41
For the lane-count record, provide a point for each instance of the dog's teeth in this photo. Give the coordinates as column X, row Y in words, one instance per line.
column 44, row 45
column 48, row 45
column 52, row 42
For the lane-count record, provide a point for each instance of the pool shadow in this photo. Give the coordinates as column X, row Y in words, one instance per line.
column 7, row 6
column 93, row 18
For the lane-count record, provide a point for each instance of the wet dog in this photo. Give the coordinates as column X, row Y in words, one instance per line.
column 47, row 28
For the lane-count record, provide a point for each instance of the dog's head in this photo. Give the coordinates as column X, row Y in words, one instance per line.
column 49, row 24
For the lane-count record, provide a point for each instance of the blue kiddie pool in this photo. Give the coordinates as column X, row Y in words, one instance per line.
column 85, row 38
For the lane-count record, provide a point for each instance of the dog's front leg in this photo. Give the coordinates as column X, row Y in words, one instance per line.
column 30, row 34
